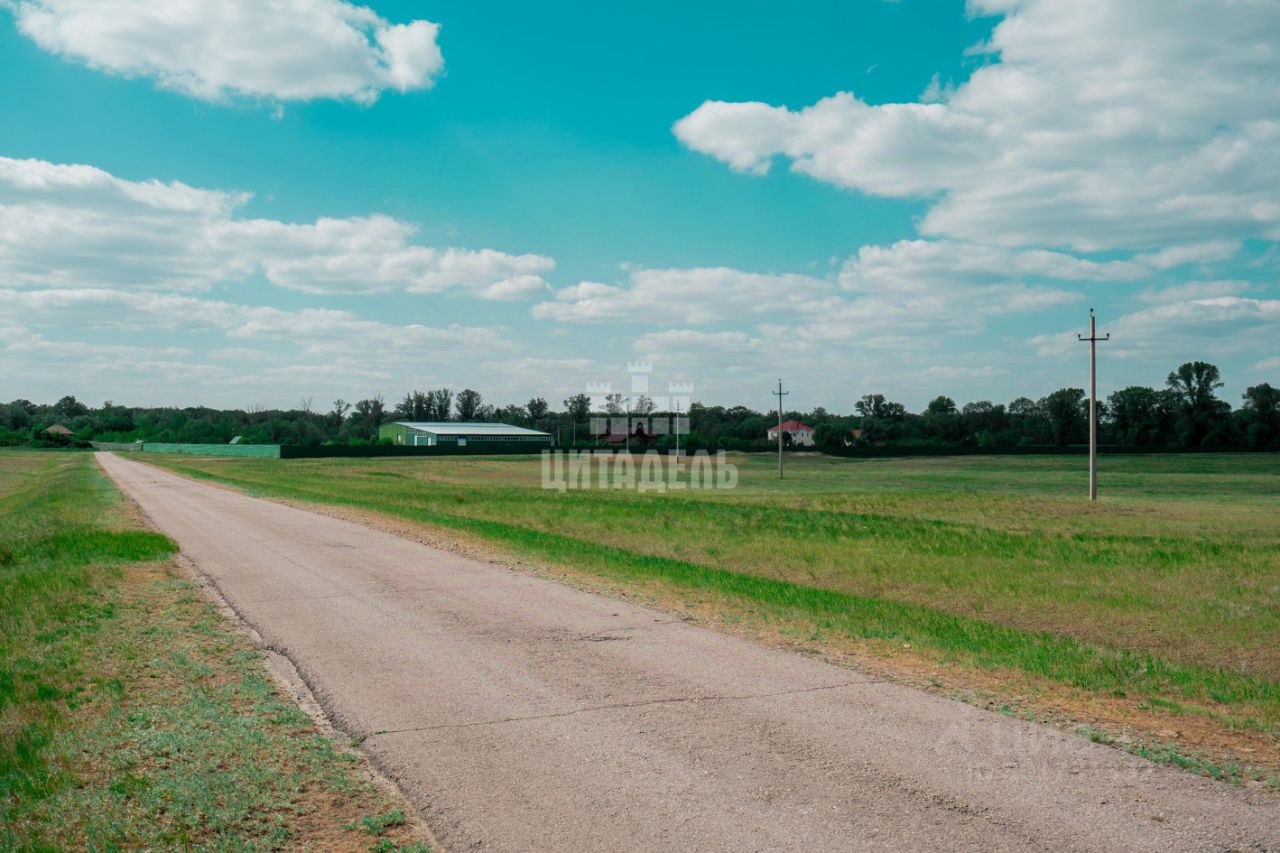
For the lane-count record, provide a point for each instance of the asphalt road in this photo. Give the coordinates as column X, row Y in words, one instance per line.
column 521, row 714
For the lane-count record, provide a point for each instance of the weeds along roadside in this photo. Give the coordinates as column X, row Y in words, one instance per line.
column 131, row 713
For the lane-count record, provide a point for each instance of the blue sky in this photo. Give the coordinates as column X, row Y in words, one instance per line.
column 260, row 202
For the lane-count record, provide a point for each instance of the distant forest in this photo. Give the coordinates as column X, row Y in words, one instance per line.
column 1185, row 413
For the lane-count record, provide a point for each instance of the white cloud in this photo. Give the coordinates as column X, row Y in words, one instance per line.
column 80, row 341
column 18, row 340
column 694, row 342
column 286, row 50
column 699, row 295
column 920, row 264
column 884, row 294
column 519, row 286
column 950, row 371
column 77, row 226
column 371, row 254
column 1193, row 253
column 314, row 331
column 1207, row 329
column 1103, row 125
column 912, row 319
column 916, row 287
column 1195, row 290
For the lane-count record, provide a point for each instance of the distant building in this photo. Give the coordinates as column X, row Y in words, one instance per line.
column 460, row 434
column 616, row 434
column 800, row 432
column 59, row 429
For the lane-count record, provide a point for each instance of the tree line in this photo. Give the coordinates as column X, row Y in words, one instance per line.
column 1186, row 413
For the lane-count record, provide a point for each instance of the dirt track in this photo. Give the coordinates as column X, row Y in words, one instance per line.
column 520, row 714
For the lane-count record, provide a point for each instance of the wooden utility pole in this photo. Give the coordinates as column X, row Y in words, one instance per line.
column 1093, row 402
column 780, row 394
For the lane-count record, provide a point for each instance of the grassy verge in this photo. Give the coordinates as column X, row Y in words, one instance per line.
column 1162, row 609
column 131, row 714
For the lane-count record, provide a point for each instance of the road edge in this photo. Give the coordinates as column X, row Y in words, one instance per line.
column 287, row 676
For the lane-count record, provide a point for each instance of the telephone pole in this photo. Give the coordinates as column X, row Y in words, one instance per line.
column 677, row 430
column 1093, row 402
column 780, row 394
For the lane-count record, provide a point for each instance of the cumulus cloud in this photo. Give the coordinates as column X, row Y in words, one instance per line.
column 1193, row 253
column 78, row 340
column 1211, row 328
column 699, row 295
column 1103, row 125
column 883, row 293
column 1193, row 290
column 695, row 342
column 931, row 263
column 77, row 226
column 316, row 331
column 957, row 372
column 283, row 50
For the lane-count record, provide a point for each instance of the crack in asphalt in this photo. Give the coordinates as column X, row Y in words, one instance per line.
column 620, row 705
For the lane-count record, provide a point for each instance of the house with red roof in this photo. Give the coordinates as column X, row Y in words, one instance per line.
column 799, row 431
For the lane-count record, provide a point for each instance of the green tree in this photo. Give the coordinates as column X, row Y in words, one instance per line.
column 69, row 407
column 1067, row 412
column 942, row 422
column 1260, row 416
column 440, row 403
column 468, row 404
column 941, row 406
column 1202, row 417
column 537, row 408
column 876, row 406
column 1138, row 415
column 367, row 417
column 579, row 407
column 416, row 406
column 983, row 416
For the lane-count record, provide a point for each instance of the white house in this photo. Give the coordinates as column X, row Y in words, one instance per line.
column 800, row 432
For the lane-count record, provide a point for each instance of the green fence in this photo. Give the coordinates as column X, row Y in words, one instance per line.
column 268, row 451
column 479, row 448
column 324, row 451
column 1029, row 450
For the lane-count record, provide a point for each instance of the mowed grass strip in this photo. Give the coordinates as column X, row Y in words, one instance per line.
column 1154, row 595
column 131, row 714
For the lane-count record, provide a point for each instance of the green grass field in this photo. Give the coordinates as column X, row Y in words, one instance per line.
column 1166, row 591
column 132, row 715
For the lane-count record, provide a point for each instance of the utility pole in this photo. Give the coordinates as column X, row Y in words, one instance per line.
column 1093, row 402
column 780, row 394
column 677, row 430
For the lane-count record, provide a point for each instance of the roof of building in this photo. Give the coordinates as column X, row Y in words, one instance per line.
column 793, row 426
column 59, row 429
column 464, row 428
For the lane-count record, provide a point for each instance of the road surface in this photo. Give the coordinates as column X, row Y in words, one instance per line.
column 522, row 714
